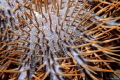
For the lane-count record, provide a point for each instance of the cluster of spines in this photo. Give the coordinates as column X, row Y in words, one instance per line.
column 79, row 54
